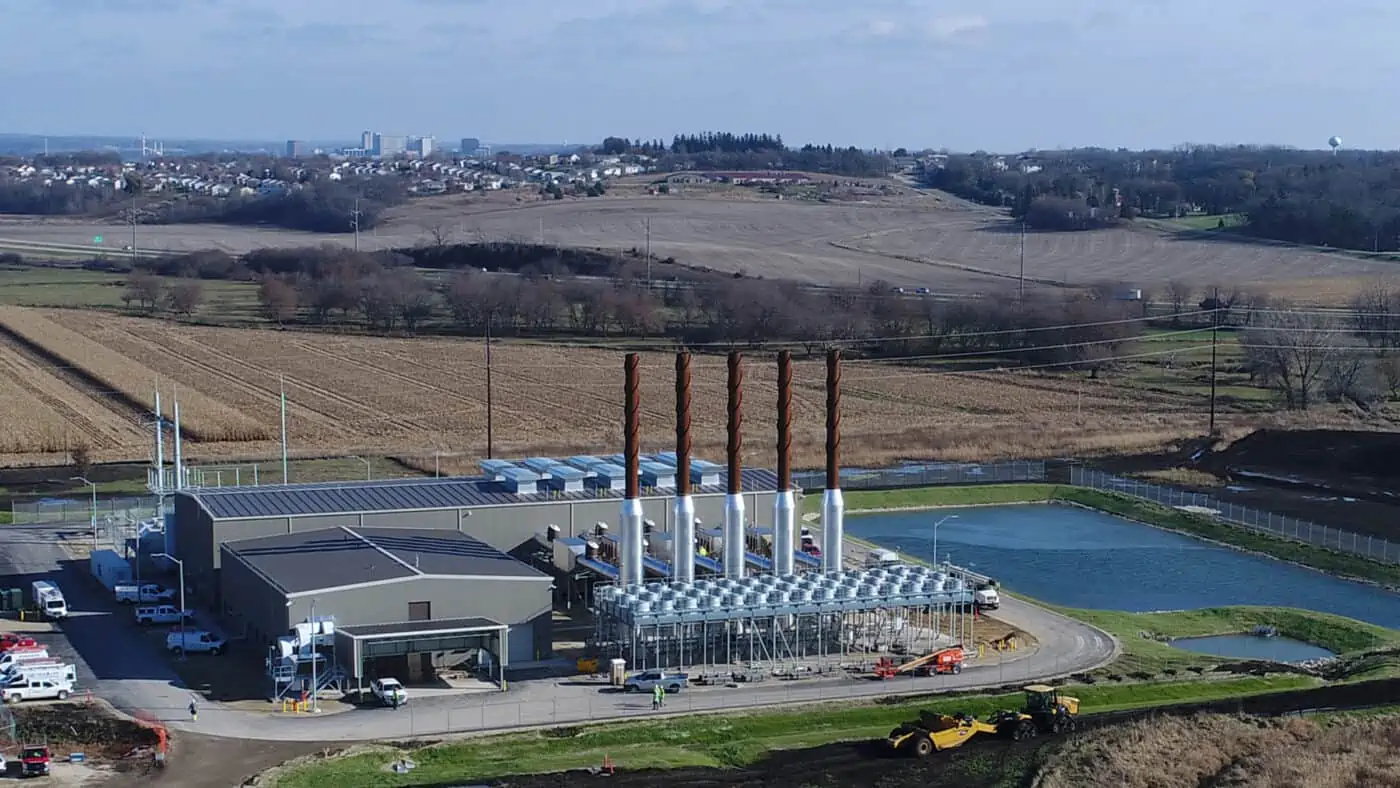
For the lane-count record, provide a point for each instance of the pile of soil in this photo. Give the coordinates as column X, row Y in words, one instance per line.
column 1350, row 458
column 80, row 727
column 859, row 765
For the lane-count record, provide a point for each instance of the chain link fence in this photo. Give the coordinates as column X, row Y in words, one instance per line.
column 1330, row 537
column 110, row 511
column 927, row 475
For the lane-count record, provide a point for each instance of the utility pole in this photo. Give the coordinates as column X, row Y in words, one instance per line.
column 283, row 386
column 489, row 443
column 1214, row 331
column 1023, row 259
column 355, row 222
column 648, row 221
column 541, row 231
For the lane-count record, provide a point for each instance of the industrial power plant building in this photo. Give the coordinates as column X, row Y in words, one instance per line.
column 682, row 561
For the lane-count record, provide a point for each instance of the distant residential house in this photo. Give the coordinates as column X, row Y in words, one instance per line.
column 688, row 179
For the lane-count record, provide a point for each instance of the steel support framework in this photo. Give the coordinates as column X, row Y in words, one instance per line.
column 784, row 635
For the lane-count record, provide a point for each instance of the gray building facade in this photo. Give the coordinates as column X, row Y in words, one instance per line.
column 207, row 519
column 391, row 580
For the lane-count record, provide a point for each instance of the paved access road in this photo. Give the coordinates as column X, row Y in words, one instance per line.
column 119, row 664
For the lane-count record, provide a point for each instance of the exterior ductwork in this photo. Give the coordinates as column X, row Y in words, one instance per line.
column 784, row 505
column 833, row 505
column 630, row 530
column 684, row 536
column 734, row 502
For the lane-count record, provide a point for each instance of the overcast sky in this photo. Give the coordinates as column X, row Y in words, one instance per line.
column 964, row 74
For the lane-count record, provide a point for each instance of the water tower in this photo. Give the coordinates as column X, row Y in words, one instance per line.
column 1335, row 142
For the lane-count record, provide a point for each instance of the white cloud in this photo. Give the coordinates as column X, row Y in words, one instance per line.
column 947, row 27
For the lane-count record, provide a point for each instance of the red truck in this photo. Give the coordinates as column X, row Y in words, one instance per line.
column 9, row 640
column 34, row 760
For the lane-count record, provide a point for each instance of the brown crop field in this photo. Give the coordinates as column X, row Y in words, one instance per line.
column 414, row 397
column 909, row 238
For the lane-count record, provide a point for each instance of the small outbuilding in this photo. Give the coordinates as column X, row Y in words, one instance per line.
column 405, row 602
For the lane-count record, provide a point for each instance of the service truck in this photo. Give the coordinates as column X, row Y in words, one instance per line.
column 146, row 594
column 986, row 598
column 162, row 614
column 19, row 656
column 389, row 691
column 647, row 681
column 194, row 641
column 48, row 598
column 38, row 689
column 54, row 671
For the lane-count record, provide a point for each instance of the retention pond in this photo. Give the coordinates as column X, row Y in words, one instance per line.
column 1243, row 646
column 1081, row 558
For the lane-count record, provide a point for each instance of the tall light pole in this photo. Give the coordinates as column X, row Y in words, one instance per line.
column 935, row 535
column 315, row 658
column 94, row 514
column 180, row 564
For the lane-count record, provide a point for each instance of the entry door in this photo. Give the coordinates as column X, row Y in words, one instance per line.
column 420, row 611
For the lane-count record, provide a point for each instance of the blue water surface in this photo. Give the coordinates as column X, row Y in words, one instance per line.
column 1086, row 559
column 1244, row 646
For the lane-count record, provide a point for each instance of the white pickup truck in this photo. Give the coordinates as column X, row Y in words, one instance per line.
column 38, row 689
column 194, row 641
column 146, row 593
column 986, row 598
column 162, row 614
column 389, row 691
column 648, row 680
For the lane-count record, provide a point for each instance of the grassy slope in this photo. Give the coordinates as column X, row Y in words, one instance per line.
column 718, row 740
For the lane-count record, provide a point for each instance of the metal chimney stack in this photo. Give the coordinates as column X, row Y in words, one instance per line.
column 833, row 505
column 684, row 535
column 179, row 458
column 630, row 559
column 785, row 504
column 160, row 448
column 734, row 548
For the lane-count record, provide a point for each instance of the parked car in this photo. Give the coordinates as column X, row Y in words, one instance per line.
column 9, row 640
column 389, row 691
column 19, row 656
column 194, row 641
column 162, row 614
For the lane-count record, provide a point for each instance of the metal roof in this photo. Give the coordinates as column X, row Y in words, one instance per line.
column 335, row 557
column 435, row 628
column 399, row 495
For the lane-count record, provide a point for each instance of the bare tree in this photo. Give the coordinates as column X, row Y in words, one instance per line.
column 442, row 237
column 185, row 297
column 413, row 297
column 1376, row 314
column 1292, row 352
column 278, row 298
column 1388, row 369
column 144, row 288
column 1178, row 294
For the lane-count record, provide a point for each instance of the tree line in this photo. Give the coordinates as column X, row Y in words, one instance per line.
column 323, row 206
column 1348, row 200
column 750, row 151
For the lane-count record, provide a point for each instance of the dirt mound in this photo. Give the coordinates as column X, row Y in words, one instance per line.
column 1315, row 454
column 78, row 727
column 865, row 764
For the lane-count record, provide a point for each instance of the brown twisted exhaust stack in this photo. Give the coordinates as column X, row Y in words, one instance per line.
column 683, row 424
column 833, row 419
column 683, row 567
column 784, row 503
column 833, row 505
column 630, row 562
column 736, row 423
column 734, row 542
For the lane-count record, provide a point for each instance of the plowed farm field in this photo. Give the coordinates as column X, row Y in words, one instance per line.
column 90, row 375
column 910, row 238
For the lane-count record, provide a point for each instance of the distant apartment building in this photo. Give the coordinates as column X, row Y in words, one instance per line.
column 297, row 149
column 387, row 146
column 367, row 140
column 422, row 147
column 470, row 145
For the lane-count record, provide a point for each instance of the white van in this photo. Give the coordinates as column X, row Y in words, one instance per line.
column 38, row 689
column 17, row 656
column 48, row 598
column 53, row 671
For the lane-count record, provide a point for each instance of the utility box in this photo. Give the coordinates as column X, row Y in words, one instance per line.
column 617, row 672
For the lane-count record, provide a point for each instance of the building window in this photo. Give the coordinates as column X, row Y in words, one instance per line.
column 420, row 611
